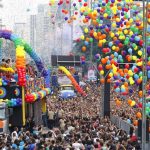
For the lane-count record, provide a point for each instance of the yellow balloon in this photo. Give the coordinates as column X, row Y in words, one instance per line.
column 132, row 103
column 140, row 53
column 105, row 15
column 101, row 72
column 104, row 40
column 131, row 20
column 112, row 35
column 110, row 74
column 134, row 57
column 114, row 47
column 117, row 20
column 86, row 30
column 125, row 31
column 113, row 25
column 82, row 37
column 130, row 73
column 95, row 34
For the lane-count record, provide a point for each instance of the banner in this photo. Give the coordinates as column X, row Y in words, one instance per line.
column 34, row 85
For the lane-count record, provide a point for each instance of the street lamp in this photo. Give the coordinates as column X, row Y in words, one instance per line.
column 144, row 75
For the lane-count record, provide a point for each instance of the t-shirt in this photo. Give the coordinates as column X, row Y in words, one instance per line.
column 51, row 115
column 77, row 146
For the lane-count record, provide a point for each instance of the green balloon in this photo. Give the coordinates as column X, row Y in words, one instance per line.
column 126, row 42
column 133, row 45
column 91, row 39
column 134, row 7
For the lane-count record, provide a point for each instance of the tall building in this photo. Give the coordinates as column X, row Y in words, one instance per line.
column 21, row 29
column 49, row 33
column 32, row 24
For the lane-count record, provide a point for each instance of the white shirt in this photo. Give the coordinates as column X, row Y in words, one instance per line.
column 16, row 134
column 77, row 146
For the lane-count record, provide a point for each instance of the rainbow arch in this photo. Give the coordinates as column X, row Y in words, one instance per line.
column 21, row 46
column 76, row 85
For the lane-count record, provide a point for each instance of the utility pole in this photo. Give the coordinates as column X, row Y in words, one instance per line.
column 144, row 75
column 71, row 25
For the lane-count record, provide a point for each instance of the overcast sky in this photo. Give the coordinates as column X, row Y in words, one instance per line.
column 16, row 10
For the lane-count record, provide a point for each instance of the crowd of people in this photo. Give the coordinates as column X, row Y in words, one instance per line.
column 72, row 125
column 9, row 63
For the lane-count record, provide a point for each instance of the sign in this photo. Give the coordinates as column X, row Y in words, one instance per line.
column 64, row 80
column 91, row 74
column 34, row 85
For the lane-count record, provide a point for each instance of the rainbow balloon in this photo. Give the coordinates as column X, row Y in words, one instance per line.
column 21, row 48
column 76, row 85
column 30, row 98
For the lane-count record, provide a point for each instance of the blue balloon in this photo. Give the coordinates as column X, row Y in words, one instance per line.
column 117, row 90
column 110, row 44
column 115, row 54
column 130, row 50
column 148, row 73
column 86, row 43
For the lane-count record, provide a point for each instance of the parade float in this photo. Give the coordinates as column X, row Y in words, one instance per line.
column 22, row 97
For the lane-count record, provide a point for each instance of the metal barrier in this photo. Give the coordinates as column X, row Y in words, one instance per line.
column 122, row 124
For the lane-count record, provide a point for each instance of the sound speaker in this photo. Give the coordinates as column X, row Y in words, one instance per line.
column 107, row 99
column 140, row 129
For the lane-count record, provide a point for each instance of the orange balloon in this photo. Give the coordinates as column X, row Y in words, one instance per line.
column 126, row 84
column 108, row 67
column 129, row 101
column 100, row 38
column 102, row 80
column 99, row 33
column 103, row 60
column 117, row 49
column 108, row 80
column 135, row 122
column 148, row 63
column 104, row 36
column 83, row 48
column 139, row 81
column 139, row 115
column 118, row 102
column 115, row 38
column 87, row 39
column 140, row 93
column 125, row 70
column 100, row 44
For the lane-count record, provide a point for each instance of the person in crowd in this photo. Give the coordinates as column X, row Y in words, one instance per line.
column 50, row 118
column 79, row 127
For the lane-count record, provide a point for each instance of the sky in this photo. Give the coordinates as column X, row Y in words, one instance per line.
column 16, row 10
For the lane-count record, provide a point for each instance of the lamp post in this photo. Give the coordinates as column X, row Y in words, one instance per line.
column 144, row 75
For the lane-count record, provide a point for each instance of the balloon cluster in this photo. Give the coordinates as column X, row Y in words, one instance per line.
column 7, row 69
column 13, row 102
column 74, row 82
column 21, row 65
column 22, row 45
column 82, row 59
column 3, row 82
column 30, row 98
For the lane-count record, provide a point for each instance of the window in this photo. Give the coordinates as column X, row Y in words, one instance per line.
column 67, row 88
